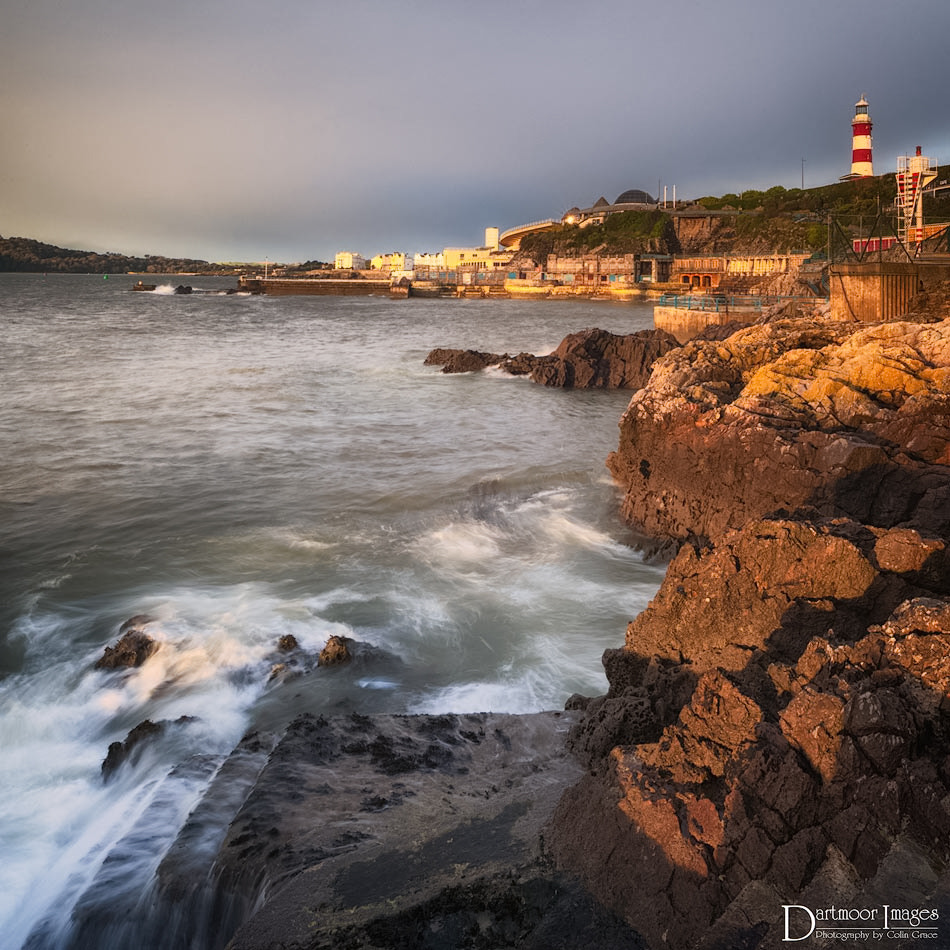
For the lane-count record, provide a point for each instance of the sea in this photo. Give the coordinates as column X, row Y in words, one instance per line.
column 242, row 468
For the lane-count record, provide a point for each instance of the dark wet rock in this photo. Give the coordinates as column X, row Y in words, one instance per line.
column 590, row 359
column 119, row 752
column 131, row 747
column 596, row 359
column 392, row 832
column 462, row 361
column 133, row 648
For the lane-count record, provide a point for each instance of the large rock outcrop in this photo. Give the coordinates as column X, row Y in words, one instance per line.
column 852, row 423
column 777, row 729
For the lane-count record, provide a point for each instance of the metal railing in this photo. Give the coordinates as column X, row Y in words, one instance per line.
column 547, row 222
column 719, row 303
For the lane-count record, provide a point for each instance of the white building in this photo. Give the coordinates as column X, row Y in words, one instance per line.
column 347, row 260
column 434, row 261
column 395, row 261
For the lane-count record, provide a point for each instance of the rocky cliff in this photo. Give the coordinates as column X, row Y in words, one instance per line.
column 848, row 422
column 777, row 730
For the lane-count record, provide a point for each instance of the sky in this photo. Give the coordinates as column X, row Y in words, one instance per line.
column 288, row 131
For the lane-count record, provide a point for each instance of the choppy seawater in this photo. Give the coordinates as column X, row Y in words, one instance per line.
column 240, row 468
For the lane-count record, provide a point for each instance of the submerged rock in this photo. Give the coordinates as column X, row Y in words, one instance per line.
column 463, row 361
column 130, row 748
column 133, row 648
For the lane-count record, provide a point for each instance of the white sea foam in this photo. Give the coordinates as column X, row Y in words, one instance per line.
column 499, row 372
column 463, row 544
column 57, row 819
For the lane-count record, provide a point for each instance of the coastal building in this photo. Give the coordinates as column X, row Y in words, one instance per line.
column 861, row 158
column 633, row 199
column 347, row 260
column 594, row 270
column 395, row 261
column 487, row 259
column 708, row 273
column 428, row 261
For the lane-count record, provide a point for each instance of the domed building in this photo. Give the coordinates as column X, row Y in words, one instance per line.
column 633, row 199
column 634, row 196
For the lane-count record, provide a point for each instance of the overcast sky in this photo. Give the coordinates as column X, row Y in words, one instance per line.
column 290, row 130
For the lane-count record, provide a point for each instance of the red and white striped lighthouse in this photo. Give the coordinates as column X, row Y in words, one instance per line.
column 861, row 166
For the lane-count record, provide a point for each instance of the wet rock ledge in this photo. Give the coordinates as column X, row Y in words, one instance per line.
column 387, row 832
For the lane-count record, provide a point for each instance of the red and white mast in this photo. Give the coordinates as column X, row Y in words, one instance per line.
column 861, row 164
column 914, row 173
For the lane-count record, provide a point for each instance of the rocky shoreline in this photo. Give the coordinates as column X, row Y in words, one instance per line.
column 776, row 728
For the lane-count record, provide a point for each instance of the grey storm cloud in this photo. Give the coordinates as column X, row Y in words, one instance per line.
column 235, row 131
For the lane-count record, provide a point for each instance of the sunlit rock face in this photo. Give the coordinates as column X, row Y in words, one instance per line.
column 850, row 422
column 791, row 687
column 777, row 727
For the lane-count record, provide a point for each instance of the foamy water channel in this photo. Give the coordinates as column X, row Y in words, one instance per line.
column 241, row 468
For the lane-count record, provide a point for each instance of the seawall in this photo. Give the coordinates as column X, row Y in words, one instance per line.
column 301, row 286
column 685, row 324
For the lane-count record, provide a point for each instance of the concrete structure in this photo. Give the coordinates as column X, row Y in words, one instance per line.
column 512, row 237
column 318, row 287
column 685, row 323
column 872, row 292
column 709, row 272
column 861, row 157
column 347, row 260
column 600, row 269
